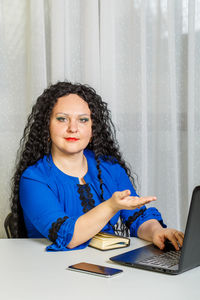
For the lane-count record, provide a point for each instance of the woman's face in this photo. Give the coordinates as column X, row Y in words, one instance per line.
column 70, row 125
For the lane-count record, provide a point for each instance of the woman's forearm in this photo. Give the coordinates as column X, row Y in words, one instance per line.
column 147, row 229
column 91, row 223
column 152, row 231
column 94, row 220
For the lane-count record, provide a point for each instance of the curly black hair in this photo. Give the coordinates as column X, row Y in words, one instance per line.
column 36, row 141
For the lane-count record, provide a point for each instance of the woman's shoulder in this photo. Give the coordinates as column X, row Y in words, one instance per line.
column 112, row 167
column 39, row 171
column 109, row 164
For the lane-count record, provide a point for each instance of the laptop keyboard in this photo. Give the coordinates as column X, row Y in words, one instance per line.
column 166, row 260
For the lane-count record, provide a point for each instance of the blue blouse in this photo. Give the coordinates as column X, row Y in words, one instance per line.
column 52, row 199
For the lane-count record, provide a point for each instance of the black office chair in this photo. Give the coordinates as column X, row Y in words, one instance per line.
column 8, row 225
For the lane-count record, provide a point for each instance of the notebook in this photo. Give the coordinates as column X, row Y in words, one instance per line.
column 169, row 260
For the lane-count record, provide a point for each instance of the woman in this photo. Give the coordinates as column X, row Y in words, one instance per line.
column 71, row 181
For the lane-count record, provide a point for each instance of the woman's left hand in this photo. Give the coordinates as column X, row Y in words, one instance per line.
column 162, row 234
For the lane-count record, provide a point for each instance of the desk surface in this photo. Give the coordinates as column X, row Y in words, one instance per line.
column 28, row 272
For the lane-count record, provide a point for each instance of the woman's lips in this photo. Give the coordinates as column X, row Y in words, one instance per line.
column 71, row 139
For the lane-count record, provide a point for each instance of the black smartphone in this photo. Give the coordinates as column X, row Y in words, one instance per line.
column 94, row 269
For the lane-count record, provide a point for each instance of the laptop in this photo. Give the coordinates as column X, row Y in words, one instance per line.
column 169, row 260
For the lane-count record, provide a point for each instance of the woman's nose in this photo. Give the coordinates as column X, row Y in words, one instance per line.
column 72, row 126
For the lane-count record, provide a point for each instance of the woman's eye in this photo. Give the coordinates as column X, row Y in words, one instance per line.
column 61, row 119
column 84, row 120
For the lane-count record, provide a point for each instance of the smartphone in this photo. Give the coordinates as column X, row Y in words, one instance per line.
column 94, row 269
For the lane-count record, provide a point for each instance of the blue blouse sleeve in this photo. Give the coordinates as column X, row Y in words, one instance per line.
column 134, row 218
column 44, row 211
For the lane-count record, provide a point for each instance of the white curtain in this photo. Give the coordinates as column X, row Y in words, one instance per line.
column 142, row 56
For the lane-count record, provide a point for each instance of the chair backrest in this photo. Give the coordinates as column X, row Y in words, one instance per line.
column 8, row 225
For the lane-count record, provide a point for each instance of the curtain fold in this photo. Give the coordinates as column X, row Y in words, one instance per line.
column 142, row 56
column 191, row 94
column 174, row 99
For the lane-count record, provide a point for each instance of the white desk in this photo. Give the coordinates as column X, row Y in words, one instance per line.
column 28, row 272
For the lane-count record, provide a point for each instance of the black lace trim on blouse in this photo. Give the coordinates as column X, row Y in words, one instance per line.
column 132, row 218
column 53, row 231
column 86, row 197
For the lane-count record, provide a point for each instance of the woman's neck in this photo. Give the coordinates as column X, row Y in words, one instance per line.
column 74, row 165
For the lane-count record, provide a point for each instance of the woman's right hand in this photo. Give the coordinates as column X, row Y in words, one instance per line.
column 123, row 200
